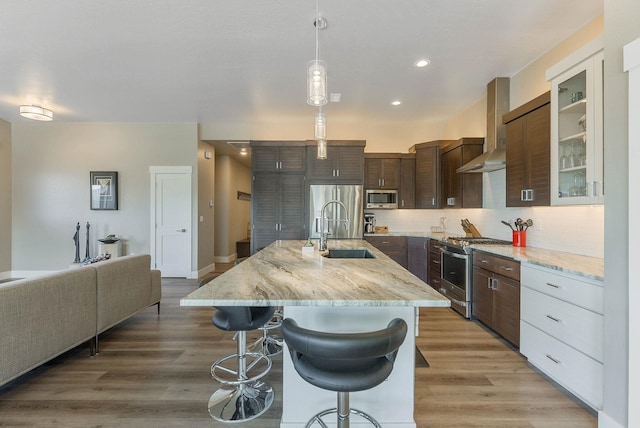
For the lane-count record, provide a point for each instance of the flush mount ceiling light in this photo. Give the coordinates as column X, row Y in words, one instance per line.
column 396, row 103
column 36, row 113
column 422, row 63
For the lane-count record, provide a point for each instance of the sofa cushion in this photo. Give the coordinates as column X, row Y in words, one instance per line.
column 43, row 317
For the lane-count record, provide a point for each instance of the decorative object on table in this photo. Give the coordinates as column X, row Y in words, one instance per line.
column 110, row 239
column 381, row 229
column 308, row 248
column 86, row 255
column 76, row 240
column 519, row 233
column 104, row 190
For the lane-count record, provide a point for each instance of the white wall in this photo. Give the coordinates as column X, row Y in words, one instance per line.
column 5, row 197
column 206, row 214
column 51, row 165
column 621, row 27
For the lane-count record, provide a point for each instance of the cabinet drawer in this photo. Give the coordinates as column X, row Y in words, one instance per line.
column 573, row 325
column 570, row 288
column 572, row 369
column 500, row 265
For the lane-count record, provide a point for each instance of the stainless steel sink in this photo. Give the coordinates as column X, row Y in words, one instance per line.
column 349, row 253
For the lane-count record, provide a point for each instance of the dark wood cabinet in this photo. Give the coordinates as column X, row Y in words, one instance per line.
column 435, row 265
column 393, row 246
column 407, row 188
column 382, row 171
column 461, row 190
column 496, row 294
column 278, row 208
column 344, row 163
column 418, row 257
column 528, row 154
column 428, row 173
column 269, row 156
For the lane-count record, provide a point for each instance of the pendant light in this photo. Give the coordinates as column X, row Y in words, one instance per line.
column 317, row 88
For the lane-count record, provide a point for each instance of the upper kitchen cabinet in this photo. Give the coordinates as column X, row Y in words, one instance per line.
column 344, row 163
column 407, row 188
column 428, row 173
column 577, row 168
column 461, row 190
column 278, row 156
column 382, row 171
column 528, row 147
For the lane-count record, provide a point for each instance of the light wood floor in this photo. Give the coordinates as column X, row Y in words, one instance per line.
column 154, row 372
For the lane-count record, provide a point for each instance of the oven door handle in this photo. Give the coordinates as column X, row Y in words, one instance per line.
column 457, row 256
column 456, row 301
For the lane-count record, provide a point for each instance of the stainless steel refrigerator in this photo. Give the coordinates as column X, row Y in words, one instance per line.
column 337, row 223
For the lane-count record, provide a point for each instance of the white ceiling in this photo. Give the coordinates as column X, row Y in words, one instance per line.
column 211, row 61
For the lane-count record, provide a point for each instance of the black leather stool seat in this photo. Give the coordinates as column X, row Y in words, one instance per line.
column 242, row 318
column 346, row 362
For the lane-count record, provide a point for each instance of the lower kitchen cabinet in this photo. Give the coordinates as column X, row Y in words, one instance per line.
column 434, row 273
column 418, row 257
column 562, row 329
column 496, row 294
column 393, row 246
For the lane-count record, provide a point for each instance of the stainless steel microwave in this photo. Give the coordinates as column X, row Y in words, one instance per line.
column 381, row 198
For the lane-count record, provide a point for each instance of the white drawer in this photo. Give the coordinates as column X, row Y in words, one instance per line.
column 572, row 369
column 573, row 325
column 580, row 291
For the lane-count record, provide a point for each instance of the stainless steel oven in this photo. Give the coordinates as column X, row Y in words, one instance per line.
column 457, row 270
column 456, row 277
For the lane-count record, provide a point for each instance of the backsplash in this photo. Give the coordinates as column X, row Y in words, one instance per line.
column 574, row 229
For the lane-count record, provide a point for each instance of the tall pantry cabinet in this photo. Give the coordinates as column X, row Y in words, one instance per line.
column 577, row 161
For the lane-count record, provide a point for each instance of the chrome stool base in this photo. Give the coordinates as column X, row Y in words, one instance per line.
column 242, row 374
column 344, row 423
column 242, row 403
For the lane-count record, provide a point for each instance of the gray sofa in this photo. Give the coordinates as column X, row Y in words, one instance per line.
column 43, row 317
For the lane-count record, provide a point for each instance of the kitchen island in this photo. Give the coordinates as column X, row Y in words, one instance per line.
column 331, row 294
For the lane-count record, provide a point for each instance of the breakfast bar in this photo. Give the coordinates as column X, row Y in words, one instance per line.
column 338, row 294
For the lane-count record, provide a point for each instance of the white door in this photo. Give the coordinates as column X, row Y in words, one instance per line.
column 172, row 218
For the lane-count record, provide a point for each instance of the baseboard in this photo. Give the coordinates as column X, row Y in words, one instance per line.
column 605, row 421
column 205, row 270
column 226, row 259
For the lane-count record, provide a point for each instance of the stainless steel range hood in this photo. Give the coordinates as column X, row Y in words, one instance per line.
column 497, row 105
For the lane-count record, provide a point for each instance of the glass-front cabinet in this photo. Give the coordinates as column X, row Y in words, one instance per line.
column 577, row 167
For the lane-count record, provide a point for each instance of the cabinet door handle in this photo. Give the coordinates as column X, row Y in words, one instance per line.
column 383, row 182
column 555, row 360
column 552, row 318
column 337, row 173
column 490, row 283
column 433, row 202
column 484, row 261
column 508, row 269
column 553, row 285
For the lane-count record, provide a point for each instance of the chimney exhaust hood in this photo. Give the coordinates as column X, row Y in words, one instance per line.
column 497, row 105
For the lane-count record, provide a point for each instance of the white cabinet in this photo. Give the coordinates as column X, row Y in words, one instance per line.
column 577, row 175
column 561, row 329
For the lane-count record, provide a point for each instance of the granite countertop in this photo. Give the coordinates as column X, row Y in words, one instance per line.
column 585, row 266
column 280, row 275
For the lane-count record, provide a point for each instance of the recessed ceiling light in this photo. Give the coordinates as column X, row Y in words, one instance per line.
column 422, row 63
column 396, row 103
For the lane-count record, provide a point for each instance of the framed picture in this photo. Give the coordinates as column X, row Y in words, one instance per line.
column 104, row 190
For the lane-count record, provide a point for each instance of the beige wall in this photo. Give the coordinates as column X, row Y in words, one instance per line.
column 51, row 165
column 5, row 197
column 206, row 217
column 232, row 215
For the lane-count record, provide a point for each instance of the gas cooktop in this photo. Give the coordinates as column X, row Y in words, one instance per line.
column 465, row 241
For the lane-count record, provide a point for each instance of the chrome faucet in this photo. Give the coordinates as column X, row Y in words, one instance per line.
column 323, row 234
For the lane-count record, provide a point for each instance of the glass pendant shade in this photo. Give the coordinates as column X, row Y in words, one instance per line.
column 321, row 127
column 322, row 149
column 317, row 83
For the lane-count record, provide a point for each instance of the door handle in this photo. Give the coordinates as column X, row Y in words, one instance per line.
column 181, row 230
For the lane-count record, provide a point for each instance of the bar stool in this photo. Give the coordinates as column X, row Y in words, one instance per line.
column 343, row 362
column 270, row 344
column 248, row 397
